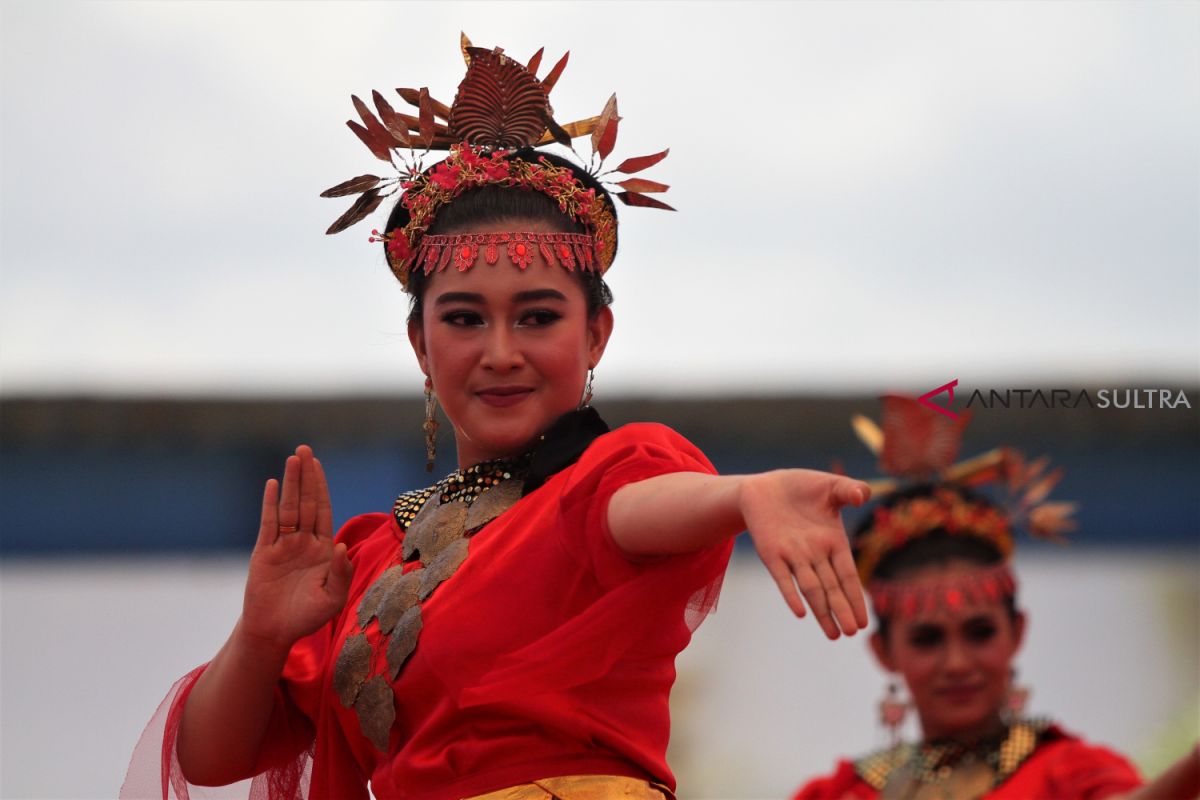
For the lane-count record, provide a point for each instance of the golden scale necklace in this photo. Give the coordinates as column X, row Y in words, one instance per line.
column 437, row 523
column 951, row 771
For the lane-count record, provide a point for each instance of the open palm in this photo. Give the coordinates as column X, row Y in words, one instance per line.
column 298, row 576
column 793, row 516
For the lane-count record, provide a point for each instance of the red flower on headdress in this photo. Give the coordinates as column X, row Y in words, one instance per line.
column 397, row 247
column 467, row 155
column 497, row 170
column 446, row 177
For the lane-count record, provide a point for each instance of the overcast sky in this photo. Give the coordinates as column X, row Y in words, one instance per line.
column 870, row 196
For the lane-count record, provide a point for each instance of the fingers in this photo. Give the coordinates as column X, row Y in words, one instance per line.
column 301, row 496
column 847, row 574
column 307, row 517
column 839, row 603
column 289, row 500
column 838, row 575
column 787, row 587
column 337, row 585
column 268, row 526
column 815, row 594
column 324, row 525
column 793, row 518
column 849, row 492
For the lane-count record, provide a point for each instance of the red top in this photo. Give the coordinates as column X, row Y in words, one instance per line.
column 547, row 653
column 1063, row 767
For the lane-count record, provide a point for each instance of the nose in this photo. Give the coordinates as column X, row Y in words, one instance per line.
column 501, row 351
column 958, row 659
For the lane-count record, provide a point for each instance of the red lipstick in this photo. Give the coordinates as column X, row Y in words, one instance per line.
column 959, row 694
column 504, row 396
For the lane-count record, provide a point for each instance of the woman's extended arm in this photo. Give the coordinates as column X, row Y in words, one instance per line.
column 792, row 515
column 1181, row 781
column 298, row 580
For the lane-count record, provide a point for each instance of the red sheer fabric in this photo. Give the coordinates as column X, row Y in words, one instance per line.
column 154, row 768
column 548, row 653
column 1063, row 768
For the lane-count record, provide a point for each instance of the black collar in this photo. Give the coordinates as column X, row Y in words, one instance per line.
column 562, row 444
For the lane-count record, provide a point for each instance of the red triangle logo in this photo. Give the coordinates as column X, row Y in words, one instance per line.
column 927, row 399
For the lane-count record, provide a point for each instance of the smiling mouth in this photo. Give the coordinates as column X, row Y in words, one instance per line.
column 504, row 395
column 959, row 692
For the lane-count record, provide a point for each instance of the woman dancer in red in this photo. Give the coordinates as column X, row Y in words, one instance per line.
column 511, row 630
column 934, row 556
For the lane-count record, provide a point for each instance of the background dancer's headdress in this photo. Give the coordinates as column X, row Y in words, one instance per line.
column 501, row 108
column 919, row 446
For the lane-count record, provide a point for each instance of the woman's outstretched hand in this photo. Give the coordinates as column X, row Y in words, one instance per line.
column 298, row 577
column 793, row 517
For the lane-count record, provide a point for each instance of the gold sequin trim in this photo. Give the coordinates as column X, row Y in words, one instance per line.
column 935, row 763
column 460, row 485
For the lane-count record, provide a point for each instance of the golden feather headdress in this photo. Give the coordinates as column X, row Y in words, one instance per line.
column 501, row 107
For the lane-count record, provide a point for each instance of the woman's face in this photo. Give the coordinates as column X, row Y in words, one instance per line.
column 508, row 350
column 957, row 663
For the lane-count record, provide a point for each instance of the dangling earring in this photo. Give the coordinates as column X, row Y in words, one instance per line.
column 431, row 425
column 587, row 389
column 1016, row 699
column 892, row 711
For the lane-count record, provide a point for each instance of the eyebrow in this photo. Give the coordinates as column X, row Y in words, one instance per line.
column 520, row 297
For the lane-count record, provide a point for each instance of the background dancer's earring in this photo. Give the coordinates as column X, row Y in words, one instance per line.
column 1016, row 699
column 892, row 711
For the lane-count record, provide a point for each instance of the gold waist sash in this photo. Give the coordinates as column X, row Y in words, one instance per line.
column 582, row 787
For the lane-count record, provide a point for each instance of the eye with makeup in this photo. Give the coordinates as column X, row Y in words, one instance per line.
column 539, row 317
column 979, row 630
column 462, row 318
column 926, row 637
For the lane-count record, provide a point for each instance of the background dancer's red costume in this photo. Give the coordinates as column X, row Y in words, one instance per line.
column 934, row 555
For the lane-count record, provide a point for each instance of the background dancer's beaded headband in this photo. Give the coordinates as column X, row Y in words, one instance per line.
column 916, row 444
column 501, row 107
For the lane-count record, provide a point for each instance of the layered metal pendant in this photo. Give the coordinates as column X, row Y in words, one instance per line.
column 437, row 523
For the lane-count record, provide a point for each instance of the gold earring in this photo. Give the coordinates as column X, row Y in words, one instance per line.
column 431, row 425
column 587, row 389
column 892, row 711
column 1015, row 699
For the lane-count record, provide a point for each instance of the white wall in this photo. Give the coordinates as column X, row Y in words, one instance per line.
column 89, row 649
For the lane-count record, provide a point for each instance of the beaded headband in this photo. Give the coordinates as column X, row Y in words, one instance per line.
column 908, row 598
column 917, row 444
column 501, row 108
column 437, row 252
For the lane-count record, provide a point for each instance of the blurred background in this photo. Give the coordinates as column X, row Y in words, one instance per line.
column 872, row 197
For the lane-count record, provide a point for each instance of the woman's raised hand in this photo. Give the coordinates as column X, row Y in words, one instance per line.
column 793, row 517
column 298, row 577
